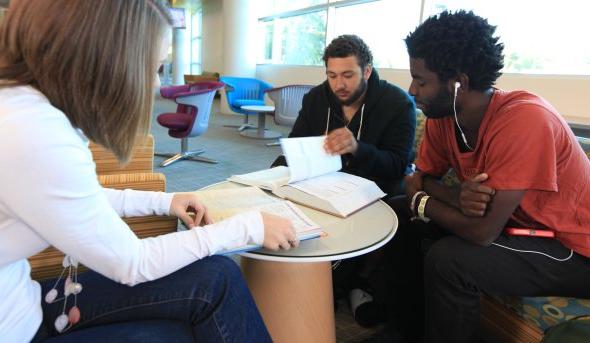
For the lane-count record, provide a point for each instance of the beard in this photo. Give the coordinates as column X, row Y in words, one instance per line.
column 439, row 107
column 354, row 96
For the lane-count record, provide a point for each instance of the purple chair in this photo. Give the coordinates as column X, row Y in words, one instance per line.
column 191, row 118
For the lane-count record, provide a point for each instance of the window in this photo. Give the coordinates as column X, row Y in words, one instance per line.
column 296, row 40
column 291, row 32
column 383, row 25
column 196, row 36
column 539, row 37
column 190, row 38
column 299, row 34
column 270, row 7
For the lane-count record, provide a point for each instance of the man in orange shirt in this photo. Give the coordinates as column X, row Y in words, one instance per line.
column 520, row 166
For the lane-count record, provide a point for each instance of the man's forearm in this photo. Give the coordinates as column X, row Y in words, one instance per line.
column 477, row 230
column 443, row 193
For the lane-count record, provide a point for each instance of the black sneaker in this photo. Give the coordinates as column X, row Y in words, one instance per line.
column 365, row 311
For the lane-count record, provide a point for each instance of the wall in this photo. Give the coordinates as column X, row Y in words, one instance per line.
column 569, row 94
column 212, row 53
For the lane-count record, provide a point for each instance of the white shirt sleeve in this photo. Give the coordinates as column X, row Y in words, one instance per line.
column 132, row 203
column 56, row 194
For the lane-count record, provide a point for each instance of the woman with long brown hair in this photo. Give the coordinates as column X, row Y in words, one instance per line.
column 73, row 71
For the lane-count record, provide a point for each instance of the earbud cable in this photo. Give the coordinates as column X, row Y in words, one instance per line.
column 358, row 134
column 457, row 120
column 537, row 252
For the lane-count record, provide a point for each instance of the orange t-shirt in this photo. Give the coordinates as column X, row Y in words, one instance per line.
column 523, row 144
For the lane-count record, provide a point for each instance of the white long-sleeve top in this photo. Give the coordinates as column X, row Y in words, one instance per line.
column 49, row 195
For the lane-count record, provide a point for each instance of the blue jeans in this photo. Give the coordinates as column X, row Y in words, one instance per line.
column 206, row 301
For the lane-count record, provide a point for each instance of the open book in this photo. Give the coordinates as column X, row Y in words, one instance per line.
column 225, row 203
column 312, row 179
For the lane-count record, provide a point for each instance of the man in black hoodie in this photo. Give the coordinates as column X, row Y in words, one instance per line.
column 371, row 124
column 368, row 121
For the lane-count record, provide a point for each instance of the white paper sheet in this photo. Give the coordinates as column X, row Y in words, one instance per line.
column 307, row 158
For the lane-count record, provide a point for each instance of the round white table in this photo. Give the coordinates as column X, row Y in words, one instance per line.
column 293, row 288
column 261, row 132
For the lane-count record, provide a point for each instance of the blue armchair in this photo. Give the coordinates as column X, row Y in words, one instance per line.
column 243, row 91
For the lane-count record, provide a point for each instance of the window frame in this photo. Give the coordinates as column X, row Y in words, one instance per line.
column 330, row 7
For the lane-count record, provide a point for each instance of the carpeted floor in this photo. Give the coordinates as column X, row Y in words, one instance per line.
column 236, row 155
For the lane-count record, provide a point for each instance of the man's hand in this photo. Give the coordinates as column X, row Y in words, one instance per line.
column 183, row 203
column 475, row 197
column 278, row 233
column 341, row 141
column 414, row 183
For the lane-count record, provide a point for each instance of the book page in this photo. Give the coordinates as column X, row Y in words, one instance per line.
column 243, row 197
column 288, row 210
column 344, row 191
column 224, row 203
column 307, row 158
column 268, row 178
column 330, row 185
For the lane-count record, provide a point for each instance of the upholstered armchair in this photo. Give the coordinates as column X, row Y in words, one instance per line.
column 137, row 174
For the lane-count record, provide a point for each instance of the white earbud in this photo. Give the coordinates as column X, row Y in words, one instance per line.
column 457, row 86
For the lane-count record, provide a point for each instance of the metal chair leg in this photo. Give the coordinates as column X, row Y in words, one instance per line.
column 244, row 126
column 171, row 160
column 203, row 159
column 191, row 155
column 185, row 154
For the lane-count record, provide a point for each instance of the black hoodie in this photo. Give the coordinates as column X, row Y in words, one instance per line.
column 387, row 135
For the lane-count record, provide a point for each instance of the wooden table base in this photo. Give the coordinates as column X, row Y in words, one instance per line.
column 295, row 299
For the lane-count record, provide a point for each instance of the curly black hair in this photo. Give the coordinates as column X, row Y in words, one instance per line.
column 349, row 45
column 459, row 42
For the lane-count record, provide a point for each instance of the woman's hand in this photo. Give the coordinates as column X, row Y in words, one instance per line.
column 185, row 203
column 278, row 233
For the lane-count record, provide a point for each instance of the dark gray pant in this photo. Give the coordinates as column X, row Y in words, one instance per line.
column 437, row 279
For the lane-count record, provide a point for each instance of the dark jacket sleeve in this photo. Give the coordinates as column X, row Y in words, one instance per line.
column 303, row 125
column 389, row 157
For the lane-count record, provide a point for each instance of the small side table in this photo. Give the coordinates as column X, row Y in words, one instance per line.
column 293, row 288
column 261, row 132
